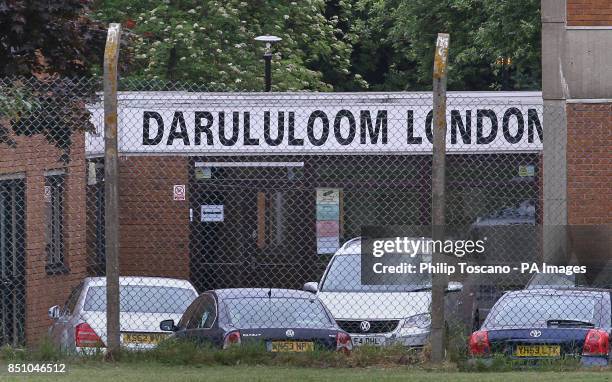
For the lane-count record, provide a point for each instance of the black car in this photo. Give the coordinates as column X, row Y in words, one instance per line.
column 548, row 323
column 282, row 320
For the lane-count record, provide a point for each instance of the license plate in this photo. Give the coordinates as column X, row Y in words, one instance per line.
column 292, row 346
column 143, row 338
column 368, row 340
column 538, row 351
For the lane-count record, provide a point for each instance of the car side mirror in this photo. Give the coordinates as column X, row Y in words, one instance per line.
column 454, row 286
column 167, row 326
column 54, row 312
column 311, row 287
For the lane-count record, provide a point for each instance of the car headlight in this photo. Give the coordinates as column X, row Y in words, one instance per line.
column 421, row 321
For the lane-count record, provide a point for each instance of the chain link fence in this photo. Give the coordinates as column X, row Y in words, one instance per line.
column 262, row 204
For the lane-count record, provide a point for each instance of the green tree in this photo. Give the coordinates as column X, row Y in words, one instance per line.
column 42, row 45
column 397, row 39
column 212, row 42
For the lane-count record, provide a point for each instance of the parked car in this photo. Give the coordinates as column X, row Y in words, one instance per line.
column 81, row 323
column 376, row 314
column 535, row 324
column 282, row 320
column 512, row 237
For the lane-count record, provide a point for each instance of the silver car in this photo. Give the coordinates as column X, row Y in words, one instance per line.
column 376, row 314
column 80, row 325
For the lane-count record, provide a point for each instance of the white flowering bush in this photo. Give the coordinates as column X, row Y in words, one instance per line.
column 213, row 42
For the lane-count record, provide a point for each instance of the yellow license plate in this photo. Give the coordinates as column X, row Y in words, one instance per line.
column 292, row 346
column 538, row 351
column 143, row 338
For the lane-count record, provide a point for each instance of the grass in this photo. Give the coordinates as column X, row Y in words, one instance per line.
column 155, row 371
column 184, row 361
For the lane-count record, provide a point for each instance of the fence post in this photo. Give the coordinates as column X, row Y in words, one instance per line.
column 111, row 188
column 439, row 281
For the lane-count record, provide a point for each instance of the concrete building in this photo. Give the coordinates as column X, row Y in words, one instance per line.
column 577, row 92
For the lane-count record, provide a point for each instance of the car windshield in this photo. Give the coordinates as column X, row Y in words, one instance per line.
column 142, row 299
column 344, row 275
column 276, row 313
column 536, row 310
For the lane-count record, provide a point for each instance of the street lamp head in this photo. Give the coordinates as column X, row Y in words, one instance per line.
column 268, row 39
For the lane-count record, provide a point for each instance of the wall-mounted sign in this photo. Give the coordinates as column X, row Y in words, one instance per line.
column 527, row 171
column 328, row 220
column 203, row 172
column 179, row 192
column 202, row 123
column 211, row 213
column 328, row 196
column 47, row 195
column 327, row 228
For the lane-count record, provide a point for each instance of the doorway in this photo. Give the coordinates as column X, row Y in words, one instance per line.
column 250, row 224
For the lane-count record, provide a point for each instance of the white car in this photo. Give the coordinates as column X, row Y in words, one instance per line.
column 375, row 314
column 144, row 301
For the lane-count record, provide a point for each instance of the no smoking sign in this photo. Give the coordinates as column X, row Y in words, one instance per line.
column 179, row 192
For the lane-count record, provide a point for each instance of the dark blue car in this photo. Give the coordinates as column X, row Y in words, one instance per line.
column 282, row 320
column 551, row 323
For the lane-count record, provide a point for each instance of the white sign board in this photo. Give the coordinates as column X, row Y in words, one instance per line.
column 178, row 192
column 212, row 213
column 310, row 123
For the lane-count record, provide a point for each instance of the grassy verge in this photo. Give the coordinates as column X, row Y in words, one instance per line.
column 173, row 353
column 154, row 372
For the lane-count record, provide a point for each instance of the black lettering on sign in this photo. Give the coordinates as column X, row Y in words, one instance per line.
column 410, row 138
column 292, row 140
column 352, row 127
column 199, row 129
column 480, row 138
column 310, row 128
column 428, row 127
column 146, row 137
column 235, row 129
column 178, row 120
column 380, row 129
column 248, row 141
column 464, row 130
column 520, row 125
column 533, row 121
column 280, row 129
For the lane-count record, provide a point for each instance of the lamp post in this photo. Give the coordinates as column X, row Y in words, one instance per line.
column 269, row 40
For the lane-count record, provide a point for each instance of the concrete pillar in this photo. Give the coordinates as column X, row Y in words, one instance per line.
column 555, row 92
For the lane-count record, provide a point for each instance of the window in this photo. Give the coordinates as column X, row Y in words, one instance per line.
column 270, row 219
column 142, row 299
column 54, row 221
column 72, row 300
column 201, row 314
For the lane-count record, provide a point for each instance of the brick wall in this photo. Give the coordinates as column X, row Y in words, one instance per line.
column 33, row 156
column 589, row 12
column 589, row 163
column 154, row 228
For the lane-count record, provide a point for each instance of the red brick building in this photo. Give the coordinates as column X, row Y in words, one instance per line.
column 43, row 232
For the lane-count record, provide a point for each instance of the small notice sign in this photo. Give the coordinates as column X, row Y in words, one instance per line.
column 179, row 192
column 48, row 194
column 527, row 171
column 211, row 213
column 327, row 245
column 327, row 228
column 328, row 196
